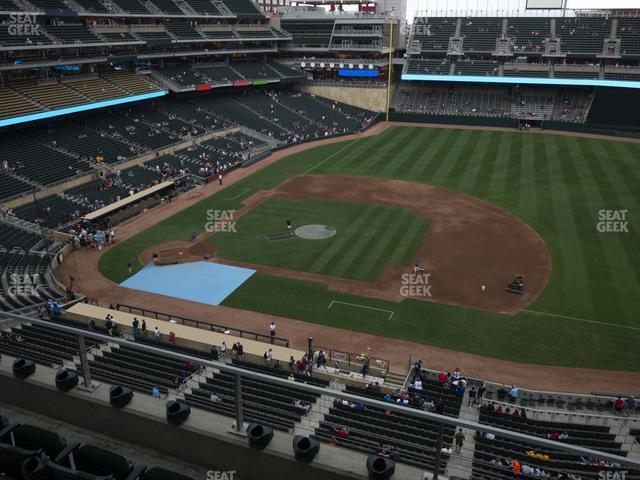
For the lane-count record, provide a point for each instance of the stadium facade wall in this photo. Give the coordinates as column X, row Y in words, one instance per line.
column 203, row 439
column 374, row 99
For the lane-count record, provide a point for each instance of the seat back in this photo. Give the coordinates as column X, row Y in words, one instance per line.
column 162, row 474
column 98, row 461
column 58, row 472
column 11, row 459
column 33, row 438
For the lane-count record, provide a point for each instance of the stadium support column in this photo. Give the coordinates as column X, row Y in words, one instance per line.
column 438, row 452
column 84, row 364
column 239, row 427
column 389, row 70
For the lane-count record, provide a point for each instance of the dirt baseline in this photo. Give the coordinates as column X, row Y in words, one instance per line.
column 470, row 244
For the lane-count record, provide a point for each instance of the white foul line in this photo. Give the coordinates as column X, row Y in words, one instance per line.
column 390, row 312
column 582, row 320
column 242, row 192
column 329, row 157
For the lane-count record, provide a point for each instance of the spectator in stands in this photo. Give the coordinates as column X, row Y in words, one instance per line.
column 135, row 327
column 417, row 384
column 459, row 437
column 240, row 351
column 631, row 404
column 272, row 327
column 365, row 367
column 291, row 377
column 537, row 455
column 292, row 363
column 442, row 377
column 456, row 375
column 386, row 452
column 92, row 324
column 143, row 328
column 301, row 407
column 618, row 405
column 517, row 468
column 155, row 392
column 214, row 353
column 472, row 396
column 341, row 432
column 234, row 351
column 277, row 365
column 481, row 391
column 223, row 349
column 267, row 357
column 172, row 338
column 513, row 393
column 321, row 360
column 417, row 367
column 156, row 333
column 557, row 435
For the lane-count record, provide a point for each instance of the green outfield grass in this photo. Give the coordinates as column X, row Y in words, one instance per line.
column 368, row 237
column 589, row 314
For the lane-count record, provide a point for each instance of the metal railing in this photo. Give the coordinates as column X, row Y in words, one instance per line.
column 260, row 337
column 348, row 358
column 240, row 374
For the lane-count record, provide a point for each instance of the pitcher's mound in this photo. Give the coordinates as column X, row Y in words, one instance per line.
column 315, row 232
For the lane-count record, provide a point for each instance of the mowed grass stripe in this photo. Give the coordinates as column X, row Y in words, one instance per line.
column 342, row 164
column 445, row 163
column 573, row 255
column 605, row 297
column 621, row 253
column 414, row 157
column 497, row 179
column 513, row 187
column 368, row 236
column 340, row 242
column 423, row 170
column 468, row 177
column 457, row 167
column 387, row 153
column 529, row 164
column 410, row 241
column 388, row 157
column 626, row 174
column 546, row 214
column 385, row 246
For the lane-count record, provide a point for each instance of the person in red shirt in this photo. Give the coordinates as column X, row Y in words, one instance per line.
column 618, row 405
column 342, row 432
column 172, row 337
column 442, row 377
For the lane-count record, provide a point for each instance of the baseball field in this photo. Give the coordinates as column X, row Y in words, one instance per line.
column 581, row 196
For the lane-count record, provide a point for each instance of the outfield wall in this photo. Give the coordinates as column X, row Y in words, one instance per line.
column 374, row 99
column 591, row 129
column 453, row 120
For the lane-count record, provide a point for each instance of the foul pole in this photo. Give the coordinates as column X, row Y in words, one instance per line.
column 389, row 70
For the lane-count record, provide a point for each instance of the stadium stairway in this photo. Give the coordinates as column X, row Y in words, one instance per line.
column 258, row 115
